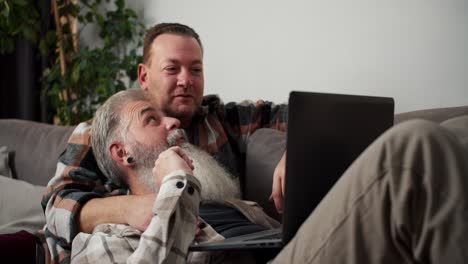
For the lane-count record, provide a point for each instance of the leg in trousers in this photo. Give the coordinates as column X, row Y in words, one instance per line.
column 404, row 200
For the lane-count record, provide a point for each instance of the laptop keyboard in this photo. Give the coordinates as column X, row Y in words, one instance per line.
column 271, row 236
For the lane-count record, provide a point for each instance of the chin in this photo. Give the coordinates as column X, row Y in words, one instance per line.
column 184, row 111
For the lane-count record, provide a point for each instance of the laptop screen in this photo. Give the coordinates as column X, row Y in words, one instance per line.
column 326, row 133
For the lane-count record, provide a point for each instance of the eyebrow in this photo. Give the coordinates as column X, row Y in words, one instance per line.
column 147, row 109
column 177, row 61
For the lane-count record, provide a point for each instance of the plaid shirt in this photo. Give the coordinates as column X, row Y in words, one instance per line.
column 222, row 130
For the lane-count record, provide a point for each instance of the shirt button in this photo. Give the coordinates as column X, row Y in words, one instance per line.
column 190, row 190
column 180, row 185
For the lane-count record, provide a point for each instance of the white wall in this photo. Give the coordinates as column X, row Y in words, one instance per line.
column 413, row 50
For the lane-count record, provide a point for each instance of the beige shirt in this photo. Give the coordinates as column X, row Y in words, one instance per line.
column 169, row 234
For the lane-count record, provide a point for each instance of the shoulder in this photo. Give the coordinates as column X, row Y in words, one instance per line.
column 81, row 133
column 212, row 101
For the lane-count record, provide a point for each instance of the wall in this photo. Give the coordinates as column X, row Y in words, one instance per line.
column 415, row 51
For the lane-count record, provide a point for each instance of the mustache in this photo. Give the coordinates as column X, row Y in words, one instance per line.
column 177, row 137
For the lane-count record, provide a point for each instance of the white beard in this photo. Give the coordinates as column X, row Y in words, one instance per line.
column 145, row 156
column 216, row 182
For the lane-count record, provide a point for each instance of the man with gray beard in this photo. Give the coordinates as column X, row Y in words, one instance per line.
column 137, row 146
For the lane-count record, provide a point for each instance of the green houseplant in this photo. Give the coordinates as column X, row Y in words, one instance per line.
column 17, row 19
column 78, row 78
column 82, row 78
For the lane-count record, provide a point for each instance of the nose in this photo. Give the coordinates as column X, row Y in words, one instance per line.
column 171, row 123
column 184, row 78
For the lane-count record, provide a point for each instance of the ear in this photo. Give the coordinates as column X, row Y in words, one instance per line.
column 120, row 154
column 143, row 76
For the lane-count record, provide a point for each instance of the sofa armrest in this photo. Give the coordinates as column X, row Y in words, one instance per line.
column 437, row 115
column 34, row 147
column 264, row 150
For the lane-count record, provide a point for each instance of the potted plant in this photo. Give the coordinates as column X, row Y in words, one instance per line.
column 17, row 19
column 82, row 78
column 78, row 78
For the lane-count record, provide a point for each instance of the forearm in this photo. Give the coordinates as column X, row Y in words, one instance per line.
column 134, row 210
column 104, row 210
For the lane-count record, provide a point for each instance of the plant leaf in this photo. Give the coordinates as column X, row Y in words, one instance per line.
column 75, row 75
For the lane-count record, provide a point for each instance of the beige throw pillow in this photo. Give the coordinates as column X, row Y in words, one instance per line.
column 20, row 204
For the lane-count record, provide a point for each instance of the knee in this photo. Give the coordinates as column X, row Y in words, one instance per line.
column 459, row 127
column 414, row 133
column 416, row 128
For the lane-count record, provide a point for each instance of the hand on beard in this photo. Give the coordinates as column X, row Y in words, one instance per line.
column 171, row 160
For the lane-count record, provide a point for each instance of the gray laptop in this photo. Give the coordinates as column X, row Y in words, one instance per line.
column 326, row 133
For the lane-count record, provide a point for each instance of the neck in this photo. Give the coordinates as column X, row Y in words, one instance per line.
column 185, row 121
column 135, row 186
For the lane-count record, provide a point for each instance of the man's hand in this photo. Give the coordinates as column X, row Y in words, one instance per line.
column 140, row 213
column 171, row 160
column 277, row 190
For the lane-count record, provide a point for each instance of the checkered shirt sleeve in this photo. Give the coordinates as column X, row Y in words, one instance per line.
column 167, row 238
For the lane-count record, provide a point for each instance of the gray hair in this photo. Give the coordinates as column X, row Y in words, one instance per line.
column 110, row 125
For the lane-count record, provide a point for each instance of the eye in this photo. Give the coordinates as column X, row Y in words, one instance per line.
column 197, row 70
column 152, row 120
column 171, row 69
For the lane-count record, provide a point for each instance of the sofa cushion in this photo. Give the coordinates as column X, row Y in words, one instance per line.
column 34, row 147
column 21, row 206
column 436, row 114
column 264, row 150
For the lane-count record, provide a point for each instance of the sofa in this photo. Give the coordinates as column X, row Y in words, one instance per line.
column 29, row 152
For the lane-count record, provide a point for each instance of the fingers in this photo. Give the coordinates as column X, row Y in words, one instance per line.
column 183, row 155
column 277, row 190
column 171, row 160
column 197, row 227
column 277, row 194
column 282, row 179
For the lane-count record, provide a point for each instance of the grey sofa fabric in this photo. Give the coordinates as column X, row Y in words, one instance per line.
column 34, row 148
column 264, row 150
column 437, row 115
